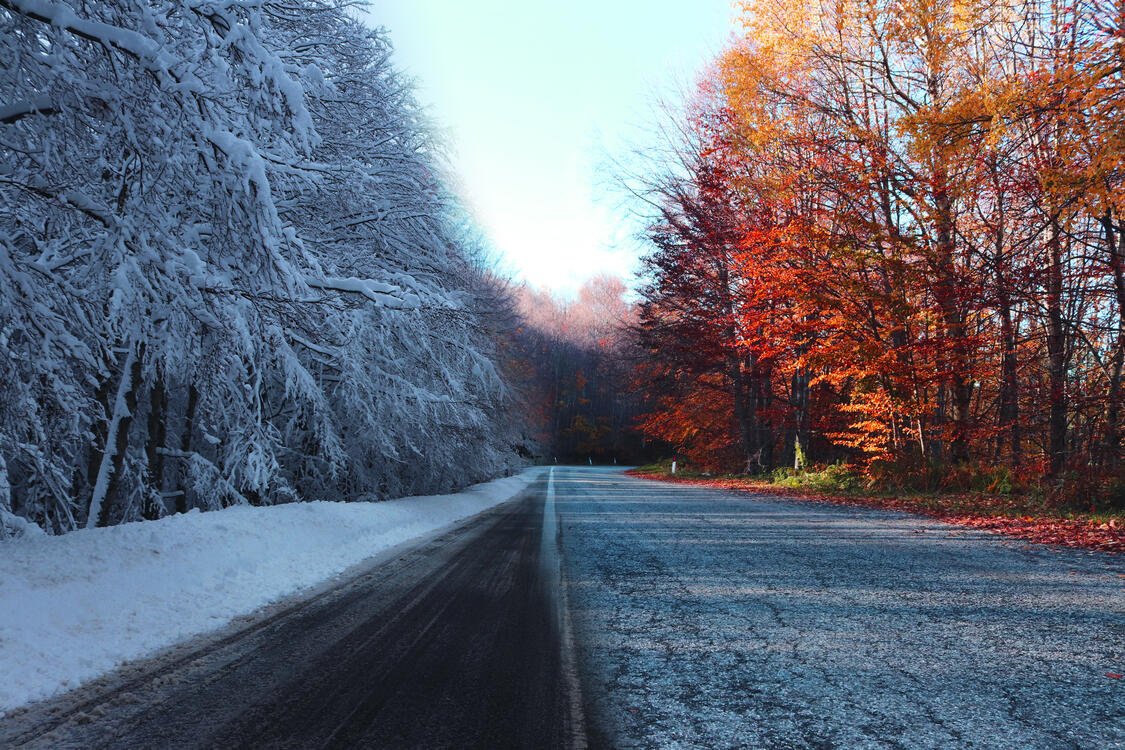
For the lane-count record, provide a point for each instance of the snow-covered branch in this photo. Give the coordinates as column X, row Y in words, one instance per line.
column 147, row 52
column 228, row 272
column 382, row 294
column 42, row 105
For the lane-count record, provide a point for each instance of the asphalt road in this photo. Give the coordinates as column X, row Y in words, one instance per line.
column 675, row 617
column 713, row 620
column 453, row 642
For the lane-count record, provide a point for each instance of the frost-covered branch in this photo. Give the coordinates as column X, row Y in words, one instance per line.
column 224, row 244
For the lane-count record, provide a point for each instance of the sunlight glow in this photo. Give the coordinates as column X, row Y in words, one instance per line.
column 533, row 94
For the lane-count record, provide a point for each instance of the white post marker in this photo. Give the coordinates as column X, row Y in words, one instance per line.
column 673, row 466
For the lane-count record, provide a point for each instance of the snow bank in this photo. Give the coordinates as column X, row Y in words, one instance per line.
column 74, row 607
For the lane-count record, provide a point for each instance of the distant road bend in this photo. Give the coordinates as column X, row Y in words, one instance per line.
column 599, row 610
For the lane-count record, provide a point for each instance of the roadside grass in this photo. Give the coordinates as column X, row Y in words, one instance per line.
column 1066, row 514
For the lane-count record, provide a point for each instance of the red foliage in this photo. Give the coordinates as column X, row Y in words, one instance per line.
column 1080, row 533
column 899, row 277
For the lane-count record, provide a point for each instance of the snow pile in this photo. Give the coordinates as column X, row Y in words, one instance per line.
column 76, row 606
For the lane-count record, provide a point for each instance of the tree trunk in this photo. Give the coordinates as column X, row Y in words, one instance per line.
column 799, row 404
column 1009, row 383
column 84, row 485
column 1115, row 247
column 157, row 434
column 1056, row 353
column 5, row 494
column 117, row 439
column 185, row 445
column 743, row 416
column 953, row 324
column 1009, row 408
column 763, row 395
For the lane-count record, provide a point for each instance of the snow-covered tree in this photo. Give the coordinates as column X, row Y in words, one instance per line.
column 227, row 267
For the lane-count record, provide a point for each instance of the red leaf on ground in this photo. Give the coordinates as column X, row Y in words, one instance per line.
column 1064, row 532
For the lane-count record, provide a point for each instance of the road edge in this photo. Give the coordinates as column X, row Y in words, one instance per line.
column 28, row 721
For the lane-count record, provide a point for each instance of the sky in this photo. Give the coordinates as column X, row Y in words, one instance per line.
column 535, row 97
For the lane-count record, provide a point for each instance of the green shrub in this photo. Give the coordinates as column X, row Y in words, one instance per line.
column 832, row 478
column 1001, row 481
column 782, row 473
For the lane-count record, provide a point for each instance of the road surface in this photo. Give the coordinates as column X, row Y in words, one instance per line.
column 451, row 642
column 676, row 617
column 716, row 621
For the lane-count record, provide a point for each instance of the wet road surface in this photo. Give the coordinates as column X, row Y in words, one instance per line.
column 451, row 643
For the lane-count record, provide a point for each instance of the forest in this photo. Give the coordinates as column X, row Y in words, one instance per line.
column 230, row 269
column 574, row 362
column 883, row 237
column 892, row 237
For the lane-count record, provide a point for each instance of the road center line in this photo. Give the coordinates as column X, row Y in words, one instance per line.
column 552, row 567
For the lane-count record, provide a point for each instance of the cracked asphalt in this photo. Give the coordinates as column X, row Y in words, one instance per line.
column 706, row 619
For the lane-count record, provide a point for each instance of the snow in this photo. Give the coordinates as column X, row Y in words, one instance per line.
column 76, row 606
column 379, row 292
column 148, row 52
column 13, row 525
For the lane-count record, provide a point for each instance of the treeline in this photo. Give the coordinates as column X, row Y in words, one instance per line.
column 229, row 271
column 573, row 361
column 893, row 235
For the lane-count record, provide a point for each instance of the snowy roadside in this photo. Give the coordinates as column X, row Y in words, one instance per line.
column 77, row 606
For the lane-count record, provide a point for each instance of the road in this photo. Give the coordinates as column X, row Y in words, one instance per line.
column 451, row 642
column 674, row 617
column 718, row 621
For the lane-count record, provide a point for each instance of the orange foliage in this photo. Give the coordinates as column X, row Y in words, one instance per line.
column 894, row 234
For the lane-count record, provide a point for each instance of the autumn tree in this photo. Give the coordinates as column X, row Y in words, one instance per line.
column 917, row 212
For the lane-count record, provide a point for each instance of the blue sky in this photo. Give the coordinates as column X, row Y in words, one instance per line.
column 533, row 96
